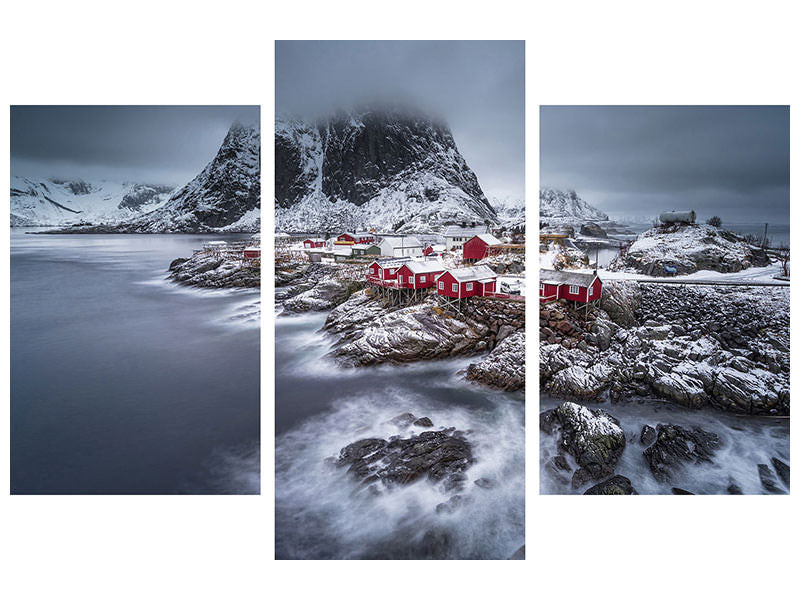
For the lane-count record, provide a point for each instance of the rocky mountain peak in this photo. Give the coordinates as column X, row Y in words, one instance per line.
column 383, row 167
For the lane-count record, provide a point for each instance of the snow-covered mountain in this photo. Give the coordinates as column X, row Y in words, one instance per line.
column 510, row 211
column 391, row 170
column 566, row 207
column 41, row 202
column 225, row 196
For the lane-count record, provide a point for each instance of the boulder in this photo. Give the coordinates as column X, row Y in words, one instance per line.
column 676, row 446
column 614, row 486
column 593, row 438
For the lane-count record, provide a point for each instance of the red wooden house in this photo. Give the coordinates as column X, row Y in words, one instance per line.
column 480, row 246
column 580, row 288
column 384, row 272
column 466, row 282
column 252, row 252
column 314, row 243
column 361, row 237
column 417, row 275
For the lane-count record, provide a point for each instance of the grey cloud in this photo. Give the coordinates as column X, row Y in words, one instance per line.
column 158, row 144
column 477, row 87
column 640, row 160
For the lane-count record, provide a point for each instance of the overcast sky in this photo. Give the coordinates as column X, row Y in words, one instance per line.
column 146, row 144
column 478, row 88
column 731, row 161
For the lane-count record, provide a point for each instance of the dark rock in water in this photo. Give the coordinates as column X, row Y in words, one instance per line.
column 439, row 455
column 560, row 461
column 648, row 435
column 485, row 483
column 403, row 420
column 594, row 438
column 768, row 481
column 547, row 420
column 519, row 554
column 581, row 477
column 614, row 486
column 177, row 263
column 423, row 422
column 675, row 446
column 782, row 469
column 452, row 505
column 681, row 492
column 734, row 489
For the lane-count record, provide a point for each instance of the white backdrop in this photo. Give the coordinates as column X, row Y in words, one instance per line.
column 222, row 53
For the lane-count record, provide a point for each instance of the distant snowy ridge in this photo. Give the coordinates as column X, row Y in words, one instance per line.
column 510, row 210
column 225, row 196
column 43, row 202
column 388, row 170
column 566, row 207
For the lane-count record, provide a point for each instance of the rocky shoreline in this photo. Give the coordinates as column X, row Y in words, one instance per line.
column 594, row 441
column 371, row 333
column 210, row 271
column 698, row 346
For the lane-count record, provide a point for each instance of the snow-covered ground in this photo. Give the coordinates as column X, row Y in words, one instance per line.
column 751, row 275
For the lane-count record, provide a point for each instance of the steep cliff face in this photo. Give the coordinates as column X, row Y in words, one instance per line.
column 391, row 170
column 225, row 193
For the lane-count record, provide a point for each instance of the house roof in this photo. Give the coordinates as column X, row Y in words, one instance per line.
column 488, row 238
column 342, row 250
column 566, row 277
column 385, row 263
column 402, row 242
column 361, row 246
column 472, row 273
column 457, row 230
column 425, row 266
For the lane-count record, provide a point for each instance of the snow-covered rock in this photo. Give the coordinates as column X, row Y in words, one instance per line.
column 204, row 270
column 391, row 170
column 324, row 295
column 413, row 333
column 697, row 346
column 504, row 367
column 593, row 438
column 687, row 249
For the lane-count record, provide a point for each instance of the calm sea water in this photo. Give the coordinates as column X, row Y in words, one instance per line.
column 320, row 512
column 122, row 382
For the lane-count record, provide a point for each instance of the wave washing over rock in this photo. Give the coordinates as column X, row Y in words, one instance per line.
column 653, row 447
column 448, row 485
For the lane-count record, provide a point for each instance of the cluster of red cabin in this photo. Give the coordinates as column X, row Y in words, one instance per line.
column 414, row 275
column 361, row 237
column 568, row 285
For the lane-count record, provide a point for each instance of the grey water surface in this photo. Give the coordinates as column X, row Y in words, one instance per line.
column 123, row 382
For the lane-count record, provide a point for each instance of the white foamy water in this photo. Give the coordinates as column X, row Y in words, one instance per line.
column 745, row 443
column 321, row 512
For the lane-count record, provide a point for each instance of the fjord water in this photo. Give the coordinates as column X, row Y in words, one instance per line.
column 321, row 512
column 123, row 382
